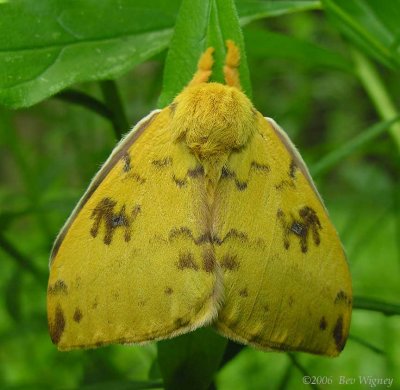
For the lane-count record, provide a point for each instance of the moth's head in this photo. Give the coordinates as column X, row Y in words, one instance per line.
column 213, row 118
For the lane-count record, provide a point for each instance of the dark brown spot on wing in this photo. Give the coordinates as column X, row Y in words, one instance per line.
column 228, row 174
column 282, row 218
column 196, row 172
column 260, row 167
column 233, row 234
column 342, row 297
column 322, row 323
column 285, row 184
column 291, row 182
column 203, row 239
column 338, row 334
column 57, row 326
column 185, row 232
column 161, row 163
column 126, row 159
column 179, row 182
column 311, row 222
column 187, row 261
column 229, row 262
column 308, row 222
column 130, row 139
column 298, row 228
column 104, row 214
column 136, row 177
column 59, row 287
column 168, row 291
column 77, row 315
column 244, row 293
column 240, row 185
column 208, row 260
column 299, row 163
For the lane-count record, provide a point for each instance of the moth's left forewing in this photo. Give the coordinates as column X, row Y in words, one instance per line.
column 133, row 263
column 286, row 277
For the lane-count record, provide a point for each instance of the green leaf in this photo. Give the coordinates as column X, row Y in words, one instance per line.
column 250, row 10
column 372, row 25
column 201, row 24
column 190, row 361
column 46, row 46
column 264, row 44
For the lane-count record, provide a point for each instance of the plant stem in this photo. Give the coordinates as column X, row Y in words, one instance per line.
column 82, row 99
column 20, row 258
column 366, row 344
column 363, row 138
column 286, row 377
column 377, row 92
column 301, row 369
column 388, row 309
column 114, row 103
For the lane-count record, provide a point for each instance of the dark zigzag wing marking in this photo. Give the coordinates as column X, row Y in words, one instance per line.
column 242, row 185
column 194, row 173
column 207, row 237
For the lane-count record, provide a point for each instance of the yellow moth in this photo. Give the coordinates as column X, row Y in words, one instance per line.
column 205, row 213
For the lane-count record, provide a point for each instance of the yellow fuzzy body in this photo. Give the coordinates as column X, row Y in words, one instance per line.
column 228, row 128
column 205, row 213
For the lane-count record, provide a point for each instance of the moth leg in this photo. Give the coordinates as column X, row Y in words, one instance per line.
column 204, row 68
column 232, row 62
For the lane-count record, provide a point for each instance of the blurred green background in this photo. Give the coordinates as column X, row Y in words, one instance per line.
column 327, row 72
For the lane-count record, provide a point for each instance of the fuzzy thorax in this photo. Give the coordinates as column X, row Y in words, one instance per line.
column 212, row 119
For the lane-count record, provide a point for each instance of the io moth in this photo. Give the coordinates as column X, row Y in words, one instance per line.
column 204, row 214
